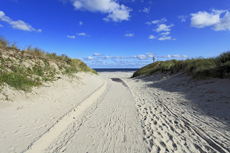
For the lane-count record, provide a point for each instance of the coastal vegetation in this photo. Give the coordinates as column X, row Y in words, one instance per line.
column 198, row 68
column 24, row 69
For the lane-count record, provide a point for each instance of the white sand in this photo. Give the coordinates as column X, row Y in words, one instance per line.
column 179, row 114
column 95, row 114
column 26, row 117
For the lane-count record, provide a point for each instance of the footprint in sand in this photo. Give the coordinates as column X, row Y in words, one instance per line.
column 27, row 134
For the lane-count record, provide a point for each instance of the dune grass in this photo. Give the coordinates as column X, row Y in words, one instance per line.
column 39, row 67
column 198, row 68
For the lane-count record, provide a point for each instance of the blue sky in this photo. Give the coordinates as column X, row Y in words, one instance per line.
column 121, row 33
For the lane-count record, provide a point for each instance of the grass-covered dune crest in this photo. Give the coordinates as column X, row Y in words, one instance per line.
column 198, row 68
column 24, row 69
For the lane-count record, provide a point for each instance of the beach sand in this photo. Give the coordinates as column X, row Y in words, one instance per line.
column 158, row 113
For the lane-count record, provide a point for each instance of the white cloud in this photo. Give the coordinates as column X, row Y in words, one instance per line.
column 164, row 27
column 129, row 35
column 224, row 23
column 106, row 57
column 150, row 54
column 116, row 11
column 145, row 10
column 134, row 56
column 165, row 38
column 71, row 37
column 178, row 56
column 82, row 34
column 140, row 57
column 90, row 58
column 143, row 57
column 99, row 63
column 152, row 37
column 173, row 56
column 113, row 57
column 80, row 23
column 120, row 63
column 183, row 18
column 157, row 21
column 1, row 25
column 204, row 19
column 20, row 25
column 97, row 54
column 148, row 23
column 165, row 33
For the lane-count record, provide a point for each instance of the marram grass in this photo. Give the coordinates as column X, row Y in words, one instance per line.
column 17, row 75
column 198, row 68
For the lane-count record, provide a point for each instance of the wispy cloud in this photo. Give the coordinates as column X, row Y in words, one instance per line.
column 113, row 57
column 140, row 57
column 213, row 19
column 99, row 63
column 90, row 58
column 20, row 25
column 165, row 38
column 97, row 54
column 143, row 57
column 156, row 21
column 182, row 18
column 72, row 37
column 80, row 23
column 152, row 37
column 120, row 63
column 163, row 27
column 145, row 10
column 173, row 56
column 82, row 34
column 116, row 11
column 165, row 33
column 150, row 54
column 129, row 35
column 1, row 25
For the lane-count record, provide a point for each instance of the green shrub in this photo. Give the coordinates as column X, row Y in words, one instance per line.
column 18, row 81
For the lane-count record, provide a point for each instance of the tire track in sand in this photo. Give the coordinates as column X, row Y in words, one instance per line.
column 112, row 126
column 46, row 139
column 167, row 131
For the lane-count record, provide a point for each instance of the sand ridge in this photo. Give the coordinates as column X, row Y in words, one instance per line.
column 26, row 117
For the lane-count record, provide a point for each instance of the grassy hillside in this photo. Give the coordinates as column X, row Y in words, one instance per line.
column 198, row 68
column 23, row 69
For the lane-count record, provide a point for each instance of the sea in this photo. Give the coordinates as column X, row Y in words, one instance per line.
column 116, row 69
column 116, row 72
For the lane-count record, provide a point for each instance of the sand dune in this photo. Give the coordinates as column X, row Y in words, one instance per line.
column 159, row 113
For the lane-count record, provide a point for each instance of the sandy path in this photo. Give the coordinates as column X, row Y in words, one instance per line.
column 25, row 118
column 145, row 114
column 111, row 125
column 173, row 123
column 46, row 139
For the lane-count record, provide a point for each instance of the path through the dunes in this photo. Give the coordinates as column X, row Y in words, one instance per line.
column 110, row 125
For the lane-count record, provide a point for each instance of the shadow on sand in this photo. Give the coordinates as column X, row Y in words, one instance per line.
column 210, row 96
